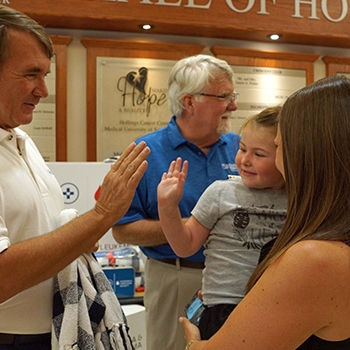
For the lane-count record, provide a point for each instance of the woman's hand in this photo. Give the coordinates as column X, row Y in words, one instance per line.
column 191, row 331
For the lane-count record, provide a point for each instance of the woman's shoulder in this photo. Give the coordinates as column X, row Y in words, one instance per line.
column 319, row 254
column 311, row 266
column 323, row 268
column 315, row 275
column 315, row 250
column 314, row 266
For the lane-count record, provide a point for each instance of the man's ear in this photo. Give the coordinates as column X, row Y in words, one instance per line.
column 187, row 101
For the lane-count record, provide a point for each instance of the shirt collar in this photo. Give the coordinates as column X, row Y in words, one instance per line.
column 174, row 134
column 176, row 138
column 16, row 132
column 5, row 133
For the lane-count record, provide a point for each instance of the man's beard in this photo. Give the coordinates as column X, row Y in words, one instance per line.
column 224, row 126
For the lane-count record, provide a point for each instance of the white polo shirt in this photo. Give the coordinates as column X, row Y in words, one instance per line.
column 30, row 203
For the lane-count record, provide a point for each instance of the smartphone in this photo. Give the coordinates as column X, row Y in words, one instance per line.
column 194, row 309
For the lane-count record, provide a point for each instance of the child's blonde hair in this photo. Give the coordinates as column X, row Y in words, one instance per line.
column 267, row 118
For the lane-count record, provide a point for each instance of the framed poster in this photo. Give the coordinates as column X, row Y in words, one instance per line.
column 127, row 91
column 49, row 126
column 131, row 101
column 264, row 78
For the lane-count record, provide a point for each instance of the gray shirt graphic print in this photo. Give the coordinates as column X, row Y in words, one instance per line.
column 241, row 221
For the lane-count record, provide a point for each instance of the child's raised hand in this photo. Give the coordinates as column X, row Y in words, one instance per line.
column 170, row 188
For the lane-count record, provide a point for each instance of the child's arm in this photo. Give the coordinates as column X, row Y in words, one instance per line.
column 184, row 238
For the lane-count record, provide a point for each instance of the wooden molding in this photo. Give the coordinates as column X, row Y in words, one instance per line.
column 336, row 64
column 307, row 22
column 60, row 44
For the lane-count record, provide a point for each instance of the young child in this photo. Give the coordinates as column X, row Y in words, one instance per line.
column 233, row 218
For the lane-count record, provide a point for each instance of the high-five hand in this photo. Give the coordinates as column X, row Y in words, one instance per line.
column 171, row 187
column 121, row 181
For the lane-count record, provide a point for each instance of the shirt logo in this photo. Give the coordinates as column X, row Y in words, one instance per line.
column 229, row 166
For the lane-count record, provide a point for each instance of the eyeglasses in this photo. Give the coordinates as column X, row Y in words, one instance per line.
column 224, row 98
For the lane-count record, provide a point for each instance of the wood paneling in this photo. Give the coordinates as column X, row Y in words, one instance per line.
column 300, row 22
column 60, row 44
column 336, row 64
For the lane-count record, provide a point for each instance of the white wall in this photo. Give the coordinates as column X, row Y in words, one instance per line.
column 76, row 61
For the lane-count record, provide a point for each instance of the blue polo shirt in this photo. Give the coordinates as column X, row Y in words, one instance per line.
column 166, row 145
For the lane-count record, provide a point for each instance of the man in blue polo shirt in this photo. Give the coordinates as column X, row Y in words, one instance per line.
column 201, row 99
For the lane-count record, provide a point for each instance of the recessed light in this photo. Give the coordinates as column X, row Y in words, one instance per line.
column 274, row 36
column 146, row 26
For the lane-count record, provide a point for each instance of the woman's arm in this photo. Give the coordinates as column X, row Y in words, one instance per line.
column 304, row 292
column 184, row 238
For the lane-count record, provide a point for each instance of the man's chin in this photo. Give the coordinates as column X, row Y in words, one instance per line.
column 224, row 127
column 26, row 119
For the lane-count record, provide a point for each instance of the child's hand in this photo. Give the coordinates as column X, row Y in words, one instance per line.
column 170, row 189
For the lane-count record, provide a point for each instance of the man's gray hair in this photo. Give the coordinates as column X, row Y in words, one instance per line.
column 192, row 75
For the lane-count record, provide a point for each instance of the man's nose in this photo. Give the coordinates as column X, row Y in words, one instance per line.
column 41, row 89
column 232, row 106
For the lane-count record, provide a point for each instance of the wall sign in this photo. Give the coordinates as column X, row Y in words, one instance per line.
column 131, row 101
column 126, row 90
column 264, row 78
column 262, row 87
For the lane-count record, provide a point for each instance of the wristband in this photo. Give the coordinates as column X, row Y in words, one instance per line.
column 191, row 342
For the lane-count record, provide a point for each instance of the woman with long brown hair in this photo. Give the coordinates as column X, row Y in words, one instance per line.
column 299, row 295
